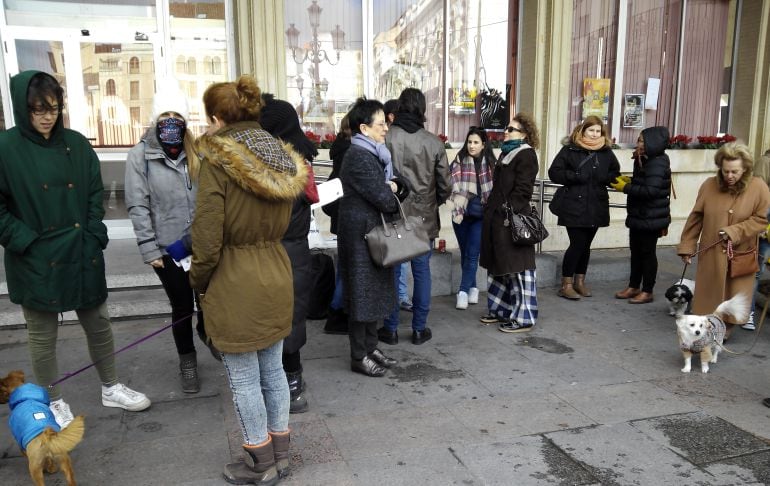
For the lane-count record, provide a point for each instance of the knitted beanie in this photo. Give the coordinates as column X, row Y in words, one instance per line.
column 280, row 120
column 169, row 98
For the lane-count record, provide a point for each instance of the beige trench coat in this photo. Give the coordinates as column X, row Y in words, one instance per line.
column 742, row 217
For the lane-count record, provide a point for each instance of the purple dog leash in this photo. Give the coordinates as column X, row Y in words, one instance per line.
column 67, row 376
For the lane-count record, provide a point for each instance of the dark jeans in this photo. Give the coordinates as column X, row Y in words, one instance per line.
column 363, row 338
column 644, row 261
column 183, row 301
column 579, row 251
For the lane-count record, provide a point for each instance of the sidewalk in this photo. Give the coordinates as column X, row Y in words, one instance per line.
column 593, row 395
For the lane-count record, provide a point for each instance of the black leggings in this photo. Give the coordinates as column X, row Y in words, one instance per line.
column 579, row 252
column 183, row 300
column 644, row 261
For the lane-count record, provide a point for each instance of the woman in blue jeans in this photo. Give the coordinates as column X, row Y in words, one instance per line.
column 247, row 186
column 471, row 175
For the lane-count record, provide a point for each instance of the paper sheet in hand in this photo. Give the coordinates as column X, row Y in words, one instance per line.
column 184, row 263
column 328, row 192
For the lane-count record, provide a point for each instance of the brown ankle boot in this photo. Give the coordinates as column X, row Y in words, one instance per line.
column 566, row 290
column 580, row 285
column 281, row 449
column 259, row 467
column 627, row 293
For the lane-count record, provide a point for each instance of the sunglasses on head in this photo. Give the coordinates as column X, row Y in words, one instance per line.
column 511, row 129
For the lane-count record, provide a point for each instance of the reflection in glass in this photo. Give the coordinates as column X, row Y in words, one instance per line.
column 118, row 84
column 409, row 52
column 199, row 50
column 323, row 60
column 137, row 15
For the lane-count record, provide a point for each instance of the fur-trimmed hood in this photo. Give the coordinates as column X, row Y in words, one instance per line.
column 256, row 161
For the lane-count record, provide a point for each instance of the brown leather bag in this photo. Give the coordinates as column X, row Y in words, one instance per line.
column 741, row 263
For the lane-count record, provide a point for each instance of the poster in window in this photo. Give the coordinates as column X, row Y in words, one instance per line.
column 633, row 111
column 596, row 98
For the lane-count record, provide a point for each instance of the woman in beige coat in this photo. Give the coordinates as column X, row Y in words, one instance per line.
column 248, row 184
column 730, row 206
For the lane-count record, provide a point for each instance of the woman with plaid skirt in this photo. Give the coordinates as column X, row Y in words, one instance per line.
column 512, row 292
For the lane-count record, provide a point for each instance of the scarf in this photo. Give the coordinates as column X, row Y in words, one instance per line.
column 409, row 122
column 379, row 150
column 588, row 144
column 170, row 134
column 509, row 145
column 463, row 176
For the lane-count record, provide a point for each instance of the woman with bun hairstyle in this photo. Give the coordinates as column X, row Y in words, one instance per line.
column 161, row 183
column 248, row 184
column 585, row 166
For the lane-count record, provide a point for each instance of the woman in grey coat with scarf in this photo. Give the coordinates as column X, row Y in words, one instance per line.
column 368, row 183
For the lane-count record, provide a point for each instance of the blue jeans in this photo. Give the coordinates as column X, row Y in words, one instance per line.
column 468, row 235
column 403, row 291
column 763, row 253
column 420, row 294
column 260, row 392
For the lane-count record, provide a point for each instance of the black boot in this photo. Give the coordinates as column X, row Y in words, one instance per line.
column 297, row 402
column 337, row 322
column 259, row 467
column 188, row 369
column 281, row 449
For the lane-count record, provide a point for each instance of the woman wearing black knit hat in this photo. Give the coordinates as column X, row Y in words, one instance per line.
column 281, row 121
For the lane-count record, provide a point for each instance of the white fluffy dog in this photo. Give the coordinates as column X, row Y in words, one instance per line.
column 679, row 297
column 704, row 334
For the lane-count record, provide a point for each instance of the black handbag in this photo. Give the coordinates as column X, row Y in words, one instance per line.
column 398, row 241
column 526, row 229
column 557, row 201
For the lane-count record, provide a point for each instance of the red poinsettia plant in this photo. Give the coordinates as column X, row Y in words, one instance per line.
column 713, row 142
column 323, row 143
column 679, row 142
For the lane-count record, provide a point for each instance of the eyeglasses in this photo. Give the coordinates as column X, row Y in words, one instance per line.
column 42, row 111
column 511, row 129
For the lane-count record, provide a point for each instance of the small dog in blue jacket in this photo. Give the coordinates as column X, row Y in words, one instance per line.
column 32, row 424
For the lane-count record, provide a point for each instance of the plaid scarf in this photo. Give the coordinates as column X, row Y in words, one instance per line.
column 463, row 175
column 266, row 147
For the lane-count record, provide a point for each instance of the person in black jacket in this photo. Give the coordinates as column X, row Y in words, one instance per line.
column 280, row 120
column 337, row 321
column 649, row 211
column 585, row 166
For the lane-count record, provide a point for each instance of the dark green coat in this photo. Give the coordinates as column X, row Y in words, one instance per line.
column 50, row 214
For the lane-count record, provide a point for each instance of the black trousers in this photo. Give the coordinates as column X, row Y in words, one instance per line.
column 363, row 338
column 183, row 300
column 579, row 251
column 644, row 261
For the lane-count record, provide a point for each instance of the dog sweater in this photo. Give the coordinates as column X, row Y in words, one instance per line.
column 714, row 334
column 30, row 414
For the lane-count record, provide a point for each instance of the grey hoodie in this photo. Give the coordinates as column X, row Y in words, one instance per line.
column 160, row 196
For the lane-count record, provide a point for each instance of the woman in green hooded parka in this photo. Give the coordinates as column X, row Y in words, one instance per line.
column 52, row 231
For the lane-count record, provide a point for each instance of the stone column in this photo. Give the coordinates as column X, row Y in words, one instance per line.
column 546, row 44
column 260, row 43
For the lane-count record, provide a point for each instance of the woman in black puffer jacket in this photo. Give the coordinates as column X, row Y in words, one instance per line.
column 649, row 211
column 585, row 166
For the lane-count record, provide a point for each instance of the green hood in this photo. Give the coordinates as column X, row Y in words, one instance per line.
column 19, row 88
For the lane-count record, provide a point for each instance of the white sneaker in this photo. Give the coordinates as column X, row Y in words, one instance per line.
column 749, row 326
column 473, row 295
column 61, row 412
column 121, row 396
column 462, row 300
